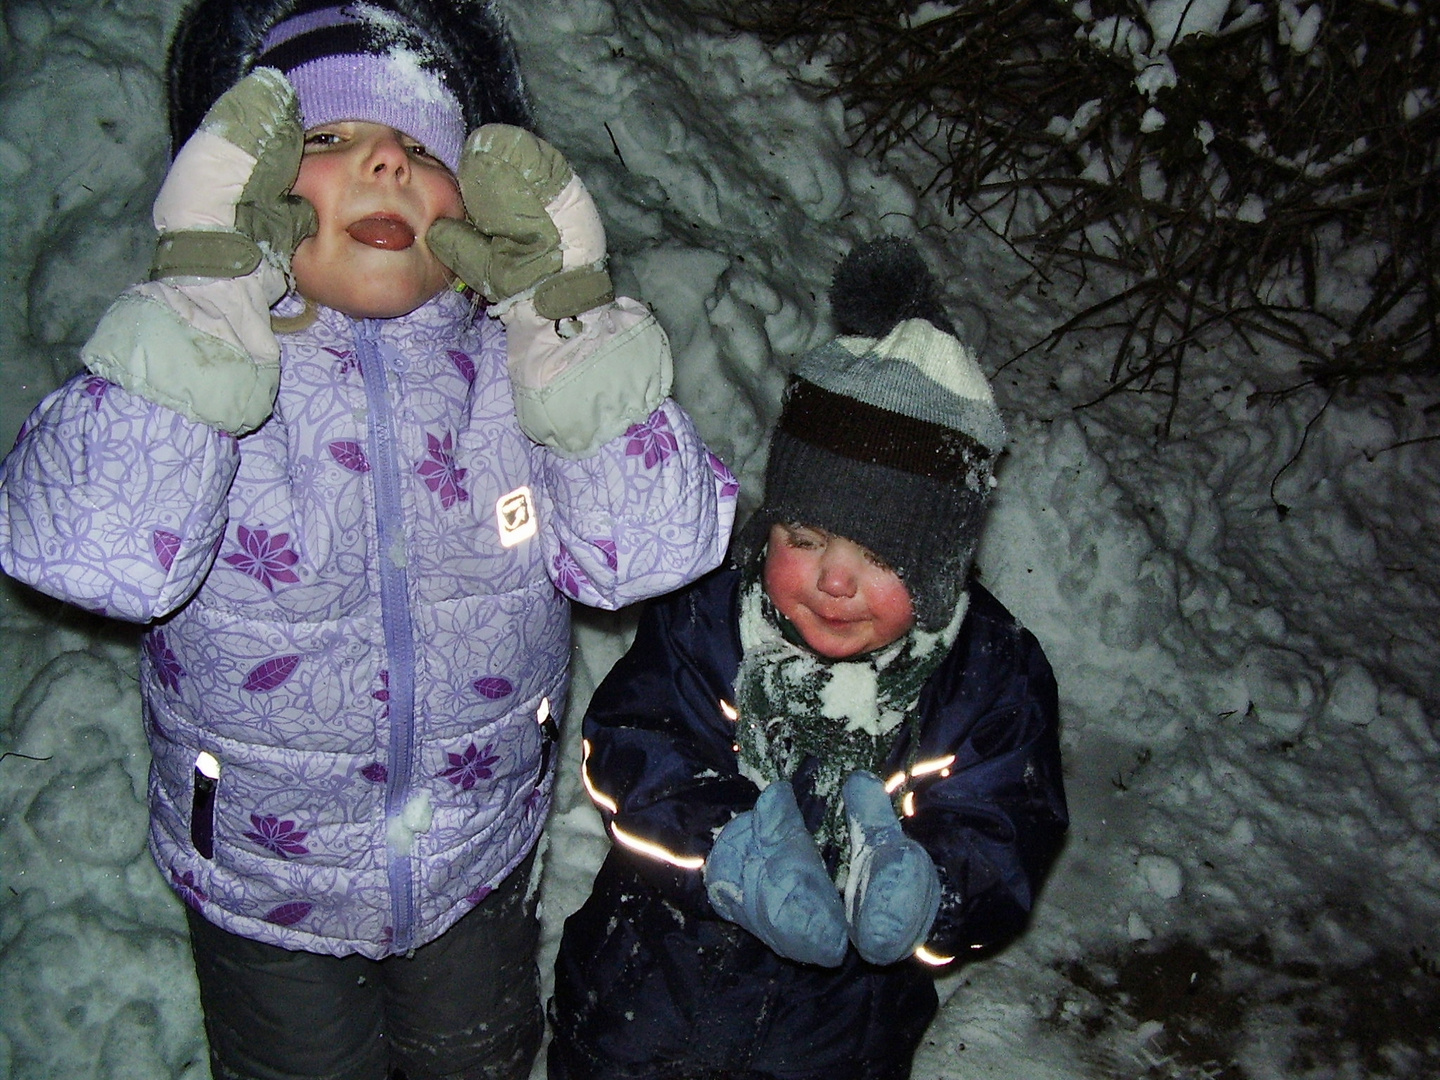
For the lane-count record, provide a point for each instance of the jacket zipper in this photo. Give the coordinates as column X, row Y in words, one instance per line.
column 395, row 619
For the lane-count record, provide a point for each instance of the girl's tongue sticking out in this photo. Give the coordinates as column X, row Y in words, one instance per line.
column 381, row 231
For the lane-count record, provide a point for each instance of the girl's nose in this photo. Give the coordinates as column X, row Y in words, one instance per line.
column 387, row 155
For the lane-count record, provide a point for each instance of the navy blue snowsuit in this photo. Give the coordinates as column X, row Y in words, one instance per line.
column 651, row 983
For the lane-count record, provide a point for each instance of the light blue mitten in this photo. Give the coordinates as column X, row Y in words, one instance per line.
column 893, row 893
column 765, row 874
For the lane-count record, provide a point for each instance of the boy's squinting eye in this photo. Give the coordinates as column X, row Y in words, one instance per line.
column 877, row 562
column 804, row 537
column 809, row 538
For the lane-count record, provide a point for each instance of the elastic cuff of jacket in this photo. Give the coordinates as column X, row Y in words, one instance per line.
column 204, row 253
column 145, row 347
column 622, row 383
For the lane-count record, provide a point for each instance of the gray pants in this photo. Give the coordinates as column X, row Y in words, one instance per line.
column 464, row 1007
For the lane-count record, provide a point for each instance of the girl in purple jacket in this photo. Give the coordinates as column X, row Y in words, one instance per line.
column 353, row 510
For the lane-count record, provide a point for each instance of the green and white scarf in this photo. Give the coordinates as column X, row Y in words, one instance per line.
column 847, row 714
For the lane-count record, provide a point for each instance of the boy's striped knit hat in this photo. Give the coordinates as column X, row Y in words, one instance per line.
column 434, row 69
column 889, row 433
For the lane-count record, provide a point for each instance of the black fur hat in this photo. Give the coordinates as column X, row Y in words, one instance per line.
column 216, row 43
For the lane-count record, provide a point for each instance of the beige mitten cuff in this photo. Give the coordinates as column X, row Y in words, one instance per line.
column 150, row 342
column 575, row 394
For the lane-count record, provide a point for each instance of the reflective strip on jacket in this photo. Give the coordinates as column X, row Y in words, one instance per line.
column 646, row 963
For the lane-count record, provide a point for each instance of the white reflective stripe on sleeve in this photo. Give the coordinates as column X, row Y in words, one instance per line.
column 925, row 956
column 921, row 768
column 596, row 795
column 940, row 765
column 655, row 851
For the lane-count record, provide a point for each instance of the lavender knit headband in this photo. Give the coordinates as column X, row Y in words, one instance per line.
column 363, row 62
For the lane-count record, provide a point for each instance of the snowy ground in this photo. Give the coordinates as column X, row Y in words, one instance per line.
column 1252, row 883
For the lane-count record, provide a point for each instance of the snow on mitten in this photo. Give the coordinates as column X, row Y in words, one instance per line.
column 584, row 365
column 765, row 874
column 893, row 892
column 197, row 336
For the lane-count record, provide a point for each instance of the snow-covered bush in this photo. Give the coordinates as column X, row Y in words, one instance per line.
column 1259, row 167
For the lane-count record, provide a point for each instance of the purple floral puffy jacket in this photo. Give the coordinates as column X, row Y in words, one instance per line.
column 360, row 631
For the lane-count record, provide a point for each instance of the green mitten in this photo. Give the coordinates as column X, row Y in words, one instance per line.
column 532, row 228
column 226, row 200
column 197, row 337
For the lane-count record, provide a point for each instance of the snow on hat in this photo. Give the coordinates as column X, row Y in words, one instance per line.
column 364, row 62
column 434, row 69
column 889, row 433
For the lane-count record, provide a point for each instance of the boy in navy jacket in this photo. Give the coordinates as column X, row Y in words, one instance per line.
column 832, row 768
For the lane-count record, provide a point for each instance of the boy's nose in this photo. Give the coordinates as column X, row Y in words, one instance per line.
column 837, row 575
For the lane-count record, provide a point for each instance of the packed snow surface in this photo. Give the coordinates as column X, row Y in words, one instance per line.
column 1241, row 615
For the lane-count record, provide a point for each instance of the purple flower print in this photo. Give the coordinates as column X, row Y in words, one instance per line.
column 264, row 557
column 278, row 836
column 344, row 360
column 376, row 772
column 184, row 884
column 568, row 574
column 653, row 438
column 289, row 914
column 463, row 364
column 469, row 768
column 610, row 551
column 383, row 694
column 349, row 454
column 493, row 687
column 165, row 545
column 167, row 668
column 94, row 389
column 270, row 674
column 440, row 472
column 729, row 486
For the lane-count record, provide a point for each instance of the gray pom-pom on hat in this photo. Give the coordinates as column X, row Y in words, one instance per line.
column 889, row 433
